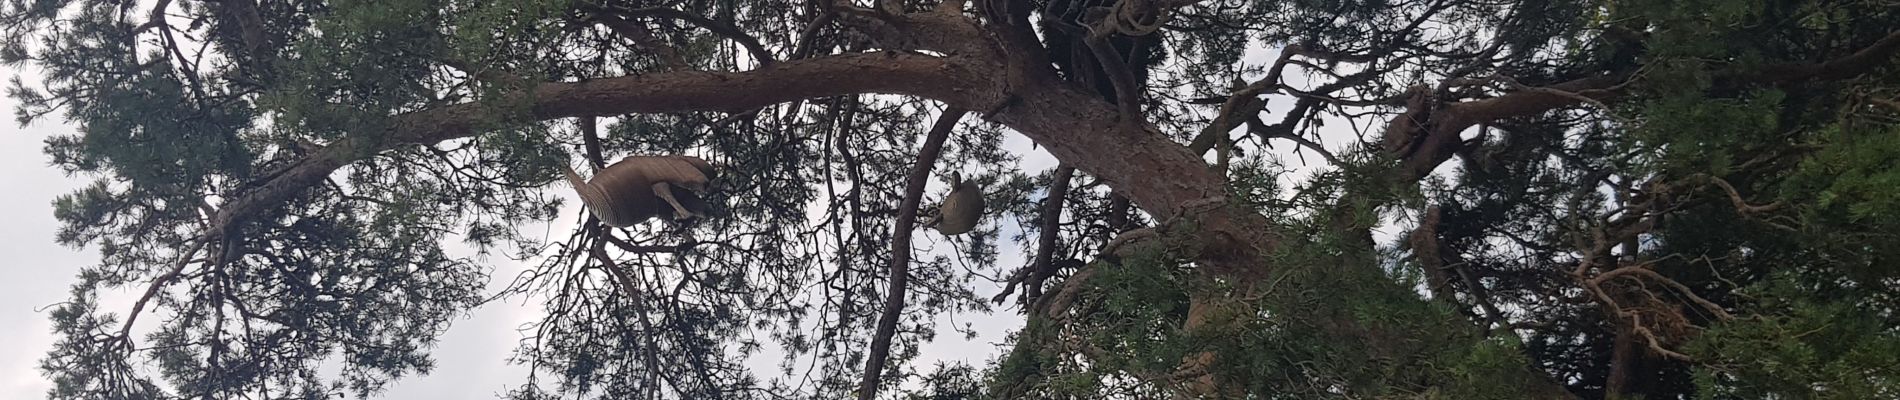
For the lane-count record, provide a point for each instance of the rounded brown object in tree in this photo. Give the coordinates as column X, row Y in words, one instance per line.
column 641, row 187
column 961, row 209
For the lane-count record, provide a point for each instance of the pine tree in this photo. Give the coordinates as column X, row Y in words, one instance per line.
column 1519, row 199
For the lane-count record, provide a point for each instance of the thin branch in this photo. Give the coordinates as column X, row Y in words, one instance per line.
column 803, row 48
column 157, row 18
column 1309, row 144
column 590, row 140
column 1735, row 197
column 644, row 37
column 631, row 288
column 721, row 28
column 489, row 75
column 894, row 73
column 629, row 247
column 1127, row 91
column 1479, row 294
column 900, row 251
column 178, row 267
column 1644, row 271
column 1602, row 88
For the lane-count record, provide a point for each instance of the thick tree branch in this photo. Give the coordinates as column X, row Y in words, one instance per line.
column 250, row 24
column 1437, row 139
column 1044, row 264
column 1442, row 140
column 1245, row 103
column 900, row 251
column 1082, row 130
column 1079, row 128
column 909, row 74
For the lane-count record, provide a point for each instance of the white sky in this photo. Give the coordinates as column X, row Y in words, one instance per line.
column 41, row 270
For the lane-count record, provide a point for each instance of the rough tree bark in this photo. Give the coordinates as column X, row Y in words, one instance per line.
column 900, row 251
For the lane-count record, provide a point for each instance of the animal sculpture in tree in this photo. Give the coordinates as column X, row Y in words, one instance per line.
column 641, row 187
column 961, row 209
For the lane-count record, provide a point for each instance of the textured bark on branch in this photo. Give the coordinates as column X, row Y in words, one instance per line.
column 1043, row 266
column 889, row 73
column 900, row 251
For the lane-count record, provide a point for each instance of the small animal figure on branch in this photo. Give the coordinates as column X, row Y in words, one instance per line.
column 641, row 187
column 961, row 209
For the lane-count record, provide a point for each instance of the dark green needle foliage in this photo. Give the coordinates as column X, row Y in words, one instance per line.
column 1437, row 199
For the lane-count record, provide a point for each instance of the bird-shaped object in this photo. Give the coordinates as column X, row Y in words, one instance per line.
column 641, row 187
column 961, row 209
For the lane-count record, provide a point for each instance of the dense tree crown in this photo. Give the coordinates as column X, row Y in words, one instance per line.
column 1442, row 199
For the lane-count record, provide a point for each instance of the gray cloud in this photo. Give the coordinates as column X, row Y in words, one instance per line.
column 38, row 271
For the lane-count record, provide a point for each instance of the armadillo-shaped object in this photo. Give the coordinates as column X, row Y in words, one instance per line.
column 961, row 209
column 640, row 187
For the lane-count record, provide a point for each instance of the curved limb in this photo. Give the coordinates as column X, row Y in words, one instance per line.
column 665, row 191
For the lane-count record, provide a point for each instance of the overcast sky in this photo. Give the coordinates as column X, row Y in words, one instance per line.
column 38, row 271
